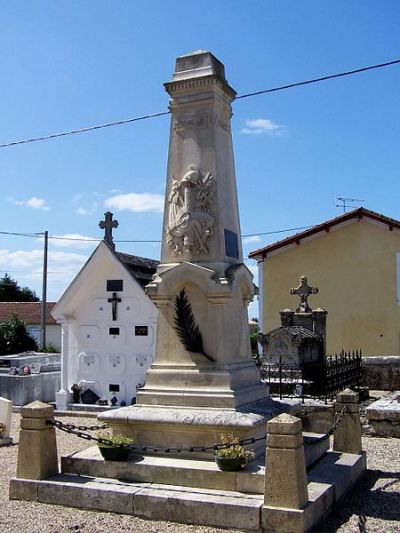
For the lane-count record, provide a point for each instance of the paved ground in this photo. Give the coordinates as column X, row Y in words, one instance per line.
column 373, row 507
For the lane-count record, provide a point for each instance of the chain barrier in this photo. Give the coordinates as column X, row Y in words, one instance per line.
column 338, row 419
column 86, row 428
column 79, row 431
column 75, row 430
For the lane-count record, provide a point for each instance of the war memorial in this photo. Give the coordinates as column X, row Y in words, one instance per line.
column 203, row 384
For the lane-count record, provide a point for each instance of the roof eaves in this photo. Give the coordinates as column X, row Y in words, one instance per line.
column 359, row 213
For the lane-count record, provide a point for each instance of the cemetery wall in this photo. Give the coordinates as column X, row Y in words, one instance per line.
column 381, row 373
column 53, row 334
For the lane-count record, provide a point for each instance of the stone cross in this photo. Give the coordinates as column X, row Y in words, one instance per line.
column 304, row 291
column 114, row 301
column 108, row 224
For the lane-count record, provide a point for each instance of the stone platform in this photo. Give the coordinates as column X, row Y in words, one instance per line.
column 181, row 472
column 238, row 503
column 165, row 426
column 384, row 415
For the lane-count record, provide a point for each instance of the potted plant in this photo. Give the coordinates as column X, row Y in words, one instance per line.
column 112, row 450
column 233, row 457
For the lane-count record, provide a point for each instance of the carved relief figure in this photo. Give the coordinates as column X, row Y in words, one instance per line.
column 190, row 220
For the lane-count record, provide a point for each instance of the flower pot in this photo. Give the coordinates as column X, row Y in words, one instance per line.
column 230, row 464
column 114, row 454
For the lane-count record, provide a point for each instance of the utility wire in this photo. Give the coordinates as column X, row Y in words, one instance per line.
column 162, row 113
column 56, row 238
column 83, row 130
column 317, row 80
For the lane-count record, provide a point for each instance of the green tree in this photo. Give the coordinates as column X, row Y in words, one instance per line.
column 10, row 291
column 14, row 338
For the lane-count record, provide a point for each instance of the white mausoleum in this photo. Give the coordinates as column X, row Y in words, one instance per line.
column 108, row 326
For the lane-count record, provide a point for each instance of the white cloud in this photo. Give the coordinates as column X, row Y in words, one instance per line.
column 136, row 202
column 73, row 240
column 37, row 203
column 86, row 210
column 33, row 203
column 28, row 265
column 259, row 126
column 251, row 239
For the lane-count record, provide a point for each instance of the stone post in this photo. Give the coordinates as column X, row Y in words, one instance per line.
column 347, row 437
column 37, row 453
column 286, row 494
column 285, row 469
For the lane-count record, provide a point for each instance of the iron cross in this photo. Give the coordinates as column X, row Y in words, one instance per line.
column 304, row 291
column 114, row 301
column 108, row 224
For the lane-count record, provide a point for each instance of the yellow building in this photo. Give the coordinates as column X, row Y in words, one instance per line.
column 354, row 260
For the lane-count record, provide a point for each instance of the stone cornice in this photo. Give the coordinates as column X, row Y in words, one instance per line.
column 175, row 87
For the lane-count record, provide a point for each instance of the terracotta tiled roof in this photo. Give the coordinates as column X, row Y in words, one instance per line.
column 359, row 213
column 29, row 312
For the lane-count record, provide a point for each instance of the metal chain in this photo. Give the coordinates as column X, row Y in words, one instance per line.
column 337, row 421
column 86, row 428
column 79, row 432
column 150, row 449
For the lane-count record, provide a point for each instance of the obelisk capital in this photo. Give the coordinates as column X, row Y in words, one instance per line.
column 198, row 68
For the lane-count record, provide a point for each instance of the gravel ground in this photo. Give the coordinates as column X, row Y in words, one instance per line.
column 373, row 507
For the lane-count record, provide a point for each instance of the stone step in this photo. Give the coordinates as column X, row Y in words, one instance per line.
column 228, row 509
column 328, row 481
column 176, row 471
column 165, row 470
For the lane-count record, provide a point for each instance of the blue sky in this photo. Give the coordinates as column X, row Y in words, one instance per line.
column 71, row 64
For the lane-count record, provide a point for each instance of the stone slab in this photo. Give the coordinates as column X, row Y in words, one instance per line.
column 89, row 493
column 216, row 508
column 166, row 470
column 384, row 415
column 283, row 520
column 164, row 502
column 342, row 470
column 327, row 483
column 179, row 471
column 5, row 416
column 316, row 447
column 23, row 489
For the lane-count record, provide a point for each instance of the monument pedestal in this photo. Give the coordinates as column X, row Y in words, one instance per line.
column 180, row 427
column 203, row 383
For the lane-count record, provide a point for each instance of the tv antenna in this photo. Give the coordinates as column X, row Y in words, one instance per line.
column 345, row 201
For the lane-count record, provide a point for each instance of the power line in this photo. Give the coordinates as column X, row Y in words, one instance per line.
column 21, row 234
column 83, row 130
column 242, row 96
column 317, row 80
column 59, row 238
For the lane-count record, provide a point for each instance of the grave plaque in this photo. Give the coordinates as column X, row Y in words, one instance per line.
column 141, row 331
column 231, row 244
column 89, row 397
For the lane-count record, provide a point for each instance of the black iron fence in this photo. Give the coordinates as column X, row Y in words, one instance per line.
column 313, row 380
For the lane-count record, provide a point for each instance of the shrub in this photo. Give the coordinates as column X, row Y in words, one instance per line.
column 14, row 338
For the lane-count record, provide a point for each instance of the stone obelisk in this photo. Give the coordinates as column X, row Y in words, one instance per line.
column 203, row 381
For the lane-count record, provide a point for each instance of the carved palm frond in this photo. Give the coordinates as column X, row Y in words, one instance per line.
column 185, row 326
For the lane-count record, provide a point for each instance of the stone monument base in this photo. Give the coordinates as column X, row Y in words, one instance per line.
column 185, row 427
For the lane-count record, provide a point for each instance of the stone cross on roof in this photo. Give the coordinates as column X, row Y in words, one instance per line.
column 304, row 291
column 108, row 224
